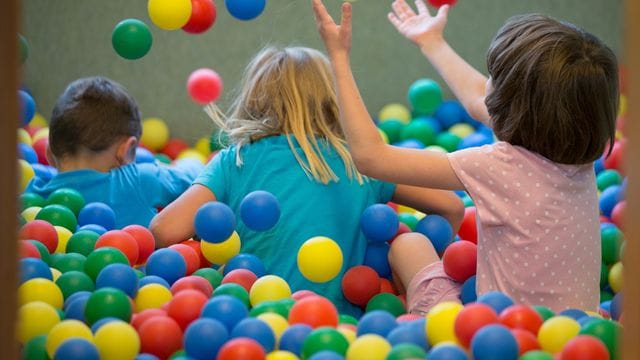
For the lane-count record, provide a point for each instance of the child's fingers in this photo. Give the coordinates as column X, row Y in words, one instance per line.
column 402, row 10
column 345, row 22
column 394, row 20
column 422, row 7
column 321, row 13
column 443, row 11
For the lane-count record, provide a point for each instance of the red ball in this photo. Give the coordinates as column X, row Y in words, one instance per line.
column 193, row 283
column 204, row 86
column 359, row 284
column 617, row 214
column 469, row 229
column 174, row 147
column 203, row 15
column 189, row 255
column 438, row 3
column 526, row 341
column 42, row 231
column 122, row 241
column 459, row 260
column 521, row 317
column 186, row 306
column 402, row 229
column 616, row 157
column 241, row 348
column 138, row 319
column 301, row 294
column 32, row 129
column 195, row 245
column 471, row 319
column 584, row 347
column 40, row 146
column 315, row 311
column 145, row 240
column 386, row 286
column 28, row 250
column 160, row 336
column 242, row 277
column 393, row 205
column 409, row 317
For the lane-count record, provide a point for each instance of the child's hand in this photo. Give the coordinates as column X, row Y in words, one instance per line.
column 336, row 38
column 421, row 28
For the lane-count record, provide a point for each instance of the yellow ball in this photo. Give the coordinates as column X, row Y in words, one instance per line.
column 63, row 238
column 615, row 277
column 622, row 109
column 368, row 347
column 169, row 14
column 269, row 288
column 202, row 146
column 24, row 137
column 405, row 209
column 347, row 332
column 462, row 130
column 40, row 289
column 384, row 136
column 55, row 273
column 155, row 133
column 436, row 148
column 220, row 253
column 556, row 332
column 276, row 322
column 440, row 322
column 29, row 214
column 281, row 355
column 152, row 296
column 192, row 154
column 26, row 174
column 395, row 111
column 319, row 259
column 35, row 318
column 117, row 340
column 40, row 134
column 38, row 120
column 65, row 330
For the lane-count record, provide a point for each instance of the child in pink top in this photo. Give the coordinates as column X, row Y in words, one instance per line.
column 551, row 99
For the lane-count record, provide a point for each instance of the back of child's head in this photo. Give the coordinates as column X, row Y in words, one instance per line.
column 90, row 116
column 290, row 91
column 554, row 89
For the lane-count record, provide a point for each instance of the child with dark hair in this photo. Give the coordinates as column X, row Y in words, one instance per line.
column 93, row 134
column 551, row 99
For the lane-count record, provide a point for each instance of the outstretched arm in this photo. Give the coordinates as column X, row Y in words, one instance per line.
column 426, row 31
column 372, row 156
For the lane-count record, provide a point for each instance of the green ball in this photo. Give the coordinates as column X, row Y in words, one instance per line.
column 419, row 130
column 28, row 200
column 24, row 48
column 607, row 178
column 218, row 140
column 21, row 221
column 611, row 238
column 178, row 354
column 408, row 219
column 83, row 242
column 425, row 96
column 100, row 258
column 58, row 215
column 387, row 302
column 139, row 273
column 544, row 312
column 606, row 330
column 467, row 201
column 605, row 295
column 621, row 253
column 234, row 290
column 73, row 281
column 35, row 349
column 324, row 338
column 406, row 351
column 269, row 306
column 536, row 355
column 70, row 198
column 44, row 252
column 347, row 319
column 131, row 39
column 288, row 304
column 448, row 141
column 392, row 128
column 107, row 302
column 213, row 276
column 163, row 158
column 68, row 262
column 604, row 275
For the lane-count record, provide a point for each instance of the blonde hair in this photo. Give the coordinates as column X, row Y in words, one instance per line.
column 289, row 92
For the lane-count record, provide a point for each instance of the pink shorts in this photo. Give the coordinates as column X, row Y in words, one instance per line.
column 431, row 286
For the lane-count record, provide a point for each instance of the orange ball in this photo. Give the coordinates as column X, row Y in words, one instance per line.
column 122, row 241
column 315, row 311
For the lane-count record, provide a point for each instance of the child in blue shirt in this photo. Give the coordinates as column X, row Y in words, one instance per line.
column 93, row 134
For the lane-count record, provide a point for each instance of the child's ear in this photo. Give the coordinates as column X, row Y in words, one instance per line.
column 50, row 157
column 127, row 150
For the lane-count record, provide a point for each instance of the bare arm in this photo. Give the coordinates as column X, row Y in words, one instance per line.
column 426, row 31
column 175, row 222
column 431, row 201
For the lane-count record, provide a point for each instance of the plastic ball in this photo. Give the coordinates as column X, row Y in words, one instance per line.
column 460, row 259
column 35, row 349
column 616, row 306
column 618, row 214
column 556, row 332
column 293, row 337
column 494, row 342
column 186, row 306
column 98, row 229
column 68, row 262
column 77, row 349
column 122, row 241
column 41, row 231
column 394, row 111
column 27, row 153
column 425, row 95
column 438, row 3
column 376, row 322
column 269, row 287
column 584, row 347
column 72, row 282
column 368, row 347
column 359, row 284
column 204, row 86
column 212, row 276
column 468, row 229
column 241, row 348
column 387, row 302
column 28, row 250
column 203, row 15
column 526, row 341
column 26, row 174
column 64, row 331
column 214, row 222
column 412, row 332
column 190, row 256
column 475, row 140
column 40, row 289
column 379, row 223
column 472, row 318
column 392, row 129
column 609, row 199
column 319, row 259
column 447, row 352
column 58, row 215
column 152, row 296
column 420, row 130
column 441, row 322
column 35, row 318
column 281, row 355
column 107, row 302
column 234, row 290
column 67, row 197
column 242, row 277
column 97, row 213
column 160, row 336
column 437, row 229
column 260, row 210
column 220, row 253
column 192, row 283
column 450, row 113
column 40, row 147
column 245, row 261
column 376, row 256
column 145, row 240
column 226, row 309
column 315, row 311
column 31, row 268
column 257, row 330
column 521, row 317
column 100, row 258
column 276, row 322
column 155, row 133
column 28, row 106
column 537, row 355
column 245, row 9
column 324, row 338
column 608, row 177
column 131, row 39
column 174, row 147
column 496, row 299
column 118, row 276
column 204, row 338
column 615, row 277
column 117, row 340
column 82, row 242
column 609, row 332
column 167, row 264
column 169, row 14
column 448, row 141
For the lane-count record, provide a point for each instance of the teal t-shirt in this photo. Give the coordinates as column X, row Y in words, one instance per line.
column 308, row 208
column 133, row 191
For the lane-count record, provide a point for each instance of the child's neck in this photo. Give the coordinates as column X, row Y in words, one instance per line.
column 102, row 162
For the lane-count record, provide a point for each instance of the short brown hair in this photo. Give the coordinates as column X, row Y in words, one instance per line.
column 555, row 89
column 92, row 114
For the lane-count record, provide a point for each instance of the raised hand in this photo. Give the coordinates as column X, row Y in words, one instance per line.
column 336, row 38
column 421, row 28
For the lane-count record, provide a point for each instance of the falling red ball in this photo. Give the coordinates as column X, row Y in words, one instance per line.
column 459, row 260
column 174, row 147
column 468, row 229
column 203, row 15
column 204, row 86
column 438, row 3
column 359, row 284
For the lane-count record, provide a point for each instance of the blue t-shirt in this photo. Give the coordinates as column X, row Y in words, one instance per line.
column 133, row 191
column 308, row 208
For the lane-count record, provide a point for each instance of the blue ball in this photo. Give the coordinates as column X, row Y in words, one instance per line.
column 31, row 268
column 377, row 257
column 27, row 153
column 474, row 140
column 616, row 306
column 226, row 309
column 28, row 106
column 257, row 330
column 623, row 189
column 146, row 357
column 98, row 324
column 75, row 309
column 598, row 165
column 153, row 279
column 246, row 261
column 379, row 223
column 97, row 213
column 494, row 342
column 144, row 156
column 377, row 322
column 606, row 306
column 76, row 349
column 449, row 113
column 609, row 199
column 245, row 9
column 497, row 300
column 74, row 296
column 468, row 290
column 260, row 210
column 412, row 332
column 326, row 355
column 447, row 352
column 293, row 337
column 410, row 144
column 437, row 229
column 204, row 338
column 167, row 264
column 119, row 276
column 98, row 229
column 214, row 222
column 573, row 313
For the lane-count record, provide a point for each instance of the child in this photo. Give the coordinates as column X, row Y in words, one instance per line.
column 551, row 100
column 93, row 134
column 286, row 140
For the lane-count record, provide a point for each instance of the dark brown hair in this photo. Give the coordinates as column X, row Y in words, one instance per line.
column 555, row 89
column 92, row 114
